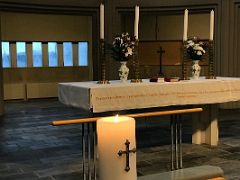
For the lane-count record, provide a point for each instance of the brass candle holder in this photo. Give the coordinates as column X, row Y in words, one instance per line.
column 184, row 62
column 103, row 63
column 135, row 65
column 211, row 74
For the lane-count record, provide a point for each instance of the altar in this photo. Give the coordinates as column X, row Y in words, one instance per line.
column 117, row 96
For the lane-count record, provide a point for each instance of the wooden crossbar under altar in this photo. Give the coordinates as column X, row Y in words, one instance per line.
column 138, row 115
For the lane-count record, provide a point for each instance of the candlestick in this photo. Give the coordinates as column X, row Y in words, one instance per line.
column 136, row 22
column 101, row 21
column 185, row 25
column 184, row 62
column 113, row 133
column 211, row 25
column 211, row 68
column 103, row 79
column 136, row 77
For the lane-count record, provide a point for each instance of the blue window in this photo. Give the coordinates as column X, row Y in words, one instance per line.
column 83, row 53
column 21, row 54
column 37, row 54
column 52, row 54
column 6, row 62
column 67, row 54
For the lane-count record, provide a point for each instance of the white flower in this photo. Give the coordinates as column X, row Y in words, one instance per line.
column 129, row 52
column 197, row 47
column 190, row 44
column 199, row 53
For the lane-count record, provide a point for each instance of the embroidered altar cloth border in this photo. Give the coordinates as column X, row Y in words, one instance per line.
column 123, row 96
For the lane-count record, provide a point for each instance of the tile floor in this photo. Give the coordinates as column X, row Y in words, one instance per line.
column 32, row 149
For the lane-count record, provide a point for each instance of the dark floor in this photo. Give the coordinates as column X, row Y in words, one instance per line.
column 30, row 148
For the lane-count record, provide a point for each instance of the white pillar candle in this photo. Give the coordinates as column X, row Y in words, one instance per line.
column 136, row 22
column 185, row 25
column 101, row 21
column 112, row 133
column 211, row 25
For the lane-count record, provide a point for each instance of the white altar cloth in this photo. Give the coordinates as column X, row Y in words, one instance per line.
column 122, row 96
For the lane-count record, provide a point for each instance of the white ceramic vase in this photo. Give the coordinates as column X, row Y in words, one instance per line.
column 123, row 71
column 196, row 69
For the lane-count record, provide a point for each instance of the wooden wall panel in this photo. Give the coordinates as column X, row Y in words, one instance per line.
column 41, row 90
column 14, row 91
column 47, row 74
column 148, row 54
column 26, row 83
column 173, row 55
column 45, row 27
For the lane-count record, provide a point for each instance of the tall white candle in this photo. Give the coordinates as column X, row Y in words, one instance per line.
column 112, row 134
column 136, row 22
column 101, row 21
column 185, row 25
column 211, row 25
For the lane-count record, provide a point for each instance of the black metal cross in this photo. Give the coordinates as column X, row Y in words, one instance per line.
column 127, row 152
column 161, row 52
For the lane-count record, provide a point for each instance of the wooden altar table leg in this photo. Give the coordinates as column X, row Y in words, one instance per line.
column 205, row 126
column 211, row 134
column 197, row 128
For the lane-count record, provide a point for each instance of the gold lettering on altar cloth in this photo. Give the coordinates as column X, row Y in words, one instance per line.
column 192, row 94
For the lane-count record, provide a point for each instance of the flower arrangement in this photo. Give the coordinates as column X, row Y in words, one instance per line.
column 123, row 47
column 195, row 48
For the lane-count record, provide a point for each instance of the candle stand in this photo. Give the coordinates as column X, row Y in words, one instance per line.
column 135, row 65
column 211, row 74
column 103, row 63
column 184, row 62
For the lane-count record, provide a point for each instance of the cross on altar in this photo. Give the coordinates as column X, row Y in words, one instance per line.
column 127, row 152
column 161, row 52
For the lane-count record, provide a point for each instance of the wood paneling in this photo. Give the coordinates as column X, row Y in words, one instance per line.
column 173, row 55
column 45, row 27
column 148, row 54
column 26, row 83
column 88, row 3
column 41, row 90
column 14, row 91
column 47, row 74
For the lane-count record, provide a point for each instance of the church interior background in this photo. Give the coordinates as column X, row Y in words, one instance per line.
column 47, row 42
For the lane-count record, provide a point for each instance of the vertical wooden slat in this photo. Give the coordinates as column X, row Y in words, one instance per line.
column 29, row 53
column 13, row 55
column 1, row 73
column 75, row 54
column 45, row 55
column 60, row 54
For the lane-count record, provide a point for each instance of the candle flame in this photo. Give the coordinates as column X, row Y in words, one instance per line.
column 116, row 120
